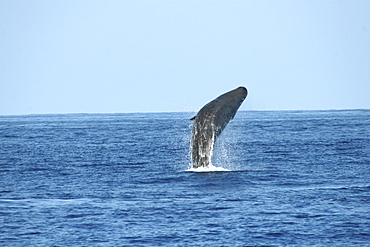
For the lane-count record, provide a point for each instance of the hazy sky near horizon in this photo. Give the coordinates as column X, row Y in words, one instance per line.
column 91, row 56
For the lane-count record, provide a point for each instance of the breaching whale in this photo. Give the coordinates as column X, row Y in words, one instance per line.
column 210, row 121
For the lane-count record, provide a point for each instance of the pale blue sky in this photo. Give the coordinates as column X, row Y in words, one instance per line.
column 151, row 56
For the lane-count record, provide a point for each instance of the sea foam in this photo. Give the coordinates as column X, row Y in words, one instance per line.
column 210, row 168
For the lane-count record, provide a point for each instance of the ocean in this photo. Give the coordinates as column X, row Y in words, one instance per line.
column 295, row 178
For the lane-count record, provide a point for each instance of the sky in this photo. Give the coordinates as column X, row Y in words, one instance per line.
column 78, row 56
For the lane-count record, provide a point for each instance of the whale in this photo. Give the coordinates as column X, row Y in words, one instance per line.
column 210, row 121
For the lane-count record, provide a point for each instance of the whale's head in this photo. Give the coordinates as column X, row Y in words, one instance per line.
column 242, row 91
column 236, row 96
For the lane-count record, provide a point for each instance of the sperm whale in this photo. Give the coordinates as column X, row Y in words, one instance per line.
column 210, row 121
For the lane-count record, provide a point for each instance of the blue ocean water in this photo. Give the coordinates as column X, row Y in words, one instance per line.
column 298, row 178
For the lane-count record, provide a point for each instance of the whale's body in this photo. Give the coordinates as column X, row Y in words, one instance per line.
column 210, row 121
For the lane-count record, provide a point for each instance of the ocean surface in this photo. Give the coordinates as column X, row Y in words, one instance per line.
column 297, row 178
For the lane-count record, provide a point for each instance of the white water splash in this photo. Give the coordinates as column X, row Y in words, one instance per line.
column 210, row 168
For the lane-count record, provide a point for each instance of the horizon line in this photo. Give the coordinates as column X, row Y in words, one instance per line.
column 157, row 112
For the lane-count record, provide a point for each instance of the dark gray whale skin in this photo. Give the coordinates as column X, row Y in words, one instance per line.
column 210, row 121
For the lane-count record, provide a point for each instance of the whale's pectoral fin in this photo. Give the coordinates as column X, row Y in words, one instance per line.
column 193, row 118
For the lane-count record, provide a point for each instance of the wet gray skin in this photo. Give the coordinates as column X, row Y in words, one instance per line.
column 210, row 121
